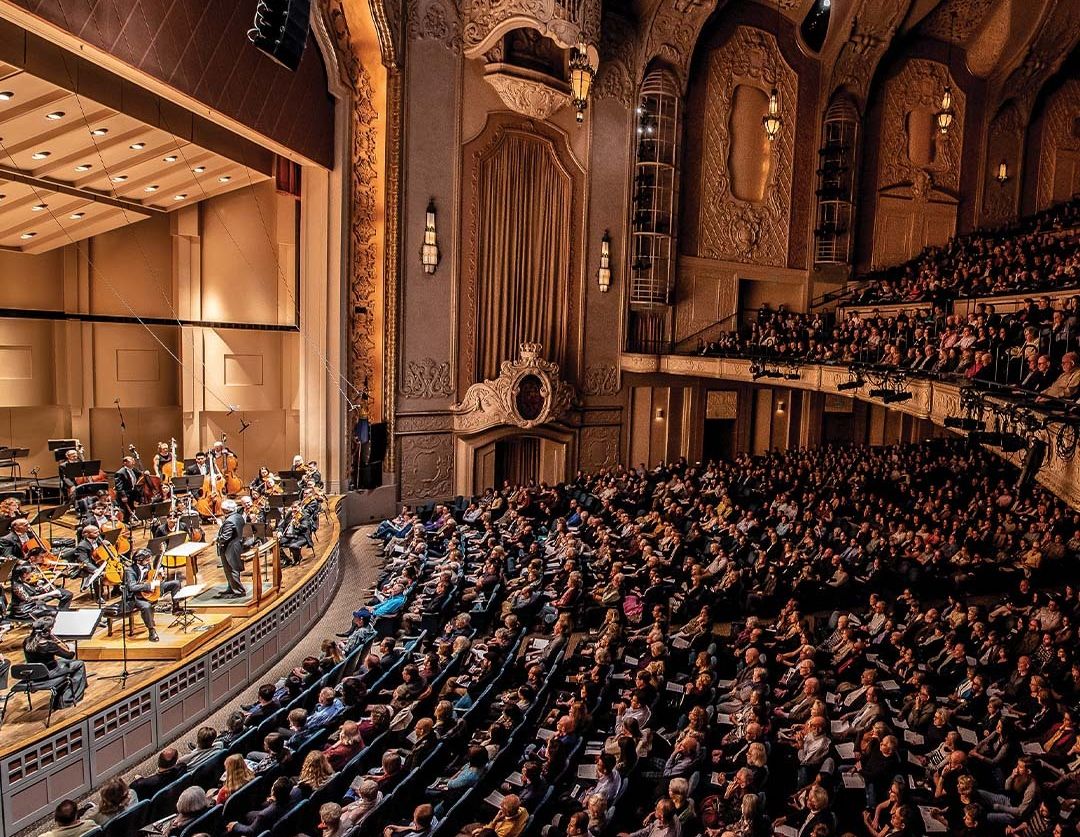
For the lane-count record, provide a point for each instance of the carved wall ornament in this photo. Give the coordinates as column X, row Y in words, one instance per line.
column 1006, row 141
column 1059, row 32
column 872, row 29
column 673, row 33
column 599, row 448
column 1057, row 137
column 427, row 466
column 601, row 379
column 916, row 90
column 427, row 378
column 435, row 20
column 731, row 228
column 567, row 22
column 536, row 98
column 618, row 69
column 424, row 423
column 958, row 20
column 527, row 393
column 364, row 361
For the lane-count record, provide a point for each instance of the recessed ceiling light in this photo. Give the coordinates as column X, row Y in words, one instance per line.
column 99, row 132
column 224, row 179
column 40, row 207
column 75, row 216
column 120, row 178
column 6, row 95
column 56, row 114
column 27, row 235
column 199, row 169
column 170, row 159
column 179, row 197
column 151, row 189
column 40, row 155
column 137, row 146
column 83, row 167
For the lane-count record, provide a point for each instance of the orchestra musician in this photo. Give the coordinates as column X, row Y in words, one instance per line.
column 314, row 475
column 66, row 674
column 162, row 458
column 266, row 482
column 12, row 544
column 199, row 468
column 83, row 555
column 74, row 456
column 294, row 533
column 30, row 593
column 230, row 547
column 127, row 491
column 137, row 582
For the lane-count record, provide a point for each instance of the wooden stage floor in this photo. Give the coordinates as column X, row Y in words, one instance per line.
column 147, row 661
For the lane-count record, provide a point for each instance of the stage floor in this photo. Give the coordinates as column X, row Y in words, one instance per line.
column 103, row 655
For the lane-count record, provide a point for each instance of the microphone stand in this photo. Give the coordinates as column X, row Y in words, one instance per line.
column 125, row 674
column 123, row 426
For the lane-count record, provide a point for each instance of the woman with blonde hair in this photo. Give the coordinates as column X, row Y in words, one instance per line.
column 315, row 772
column 237, row 774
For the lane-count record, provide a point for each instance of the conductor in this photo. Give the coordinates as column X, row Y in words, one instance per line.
column 230, row 545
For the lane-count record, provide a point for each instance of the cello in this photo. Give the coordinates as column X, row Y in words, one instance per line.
column 109, row 563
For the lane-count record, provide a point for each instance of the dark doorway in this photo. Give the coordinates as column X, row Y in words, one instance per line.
column 718, row 441
column 517, row 460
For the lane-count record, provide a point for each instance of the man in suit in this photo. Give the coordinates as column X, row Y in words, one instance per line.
column 169, row 770
column 126, row 493
column 136, row 582
column 199, row 468
column 230, row 546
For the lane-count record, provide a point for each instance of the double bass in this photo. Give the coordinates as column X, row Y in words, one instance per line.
column 171, row 468
column 148, row 486
column 228, row 466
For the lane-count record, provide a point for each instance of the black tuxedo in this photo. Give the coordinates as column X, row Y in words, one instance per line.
column 230, row 547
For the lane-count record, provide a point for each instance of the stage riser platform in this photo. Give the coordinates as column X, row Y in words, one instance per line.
column 174, row 644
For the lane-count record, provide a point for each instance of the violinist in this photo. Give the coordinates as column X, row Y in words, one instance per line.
column 30, row 593
column 10, row 508
column 12, row 545
column 128, row 494
column 265, row 482
column 66, row 674
column 313, row 474
column 137, row 583
column 294, row 533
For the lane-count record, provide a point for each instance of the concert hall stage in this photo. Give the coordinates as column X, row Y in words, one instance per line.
column 188, row 677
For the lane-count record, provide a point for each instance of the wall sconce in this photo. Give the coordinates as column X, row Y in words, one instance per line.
column 779, row 406
column 772, row 122
column 603, row 275
column 582, row 73
column 659, row 413
column 1002, row 175
column 945, row 115
column 429, row 251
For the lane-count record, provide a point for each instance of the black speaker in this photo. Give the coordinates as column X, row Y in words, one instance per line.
column 1036, row 454
column 378, row 442
column 281, row 30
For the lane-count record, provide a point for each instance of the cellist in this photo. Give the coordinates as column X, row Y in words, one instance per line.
column 138, row 582
column 127, row 492
column 83, row 554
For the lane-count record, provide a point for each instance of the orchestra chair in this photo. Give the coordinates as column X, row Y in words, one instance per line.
column 116, row 610
column 129, row 821
column 33, row 677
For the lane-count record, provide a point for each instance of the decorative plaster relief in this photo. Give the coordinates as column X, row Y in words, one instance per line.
column 731, row 228
column 601, row 379
column 427, row 378
column 427, row 466
column 599, row 448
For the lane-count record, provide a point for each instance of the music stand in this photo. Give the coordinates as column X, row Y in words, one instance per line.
column 50, row 516
column 186, row 484
column 157, row 545
column 290, row 475
column 290, row 486
column 77, row 624
column 184, row 618
column 148, row 511
column 283, row 501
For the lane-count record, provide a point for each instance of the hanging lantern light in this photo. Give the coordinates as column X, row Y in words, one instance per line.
column 772, row 122
column 582, row 73
column 945, row 115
